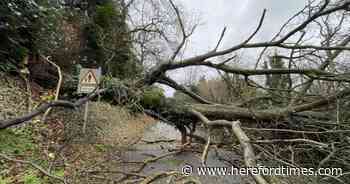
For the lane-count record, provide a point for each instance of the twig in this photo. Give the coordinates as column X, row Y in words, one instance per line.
column 133, row 181
column 273, row 157
column 333, row 177
column 159, row 175
column 290, row 141
column 158, row 141
column 257, row 28
column 297, row 131
column 220, row 39
column 227, row 60
column 148, row 161
column 328, row 157
column 103, row 178
column 151, row 160
column 118, row 172
column 205, row 152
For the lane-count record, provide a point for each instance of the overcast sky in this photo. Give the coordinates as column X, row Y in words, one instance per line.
column 240, row 18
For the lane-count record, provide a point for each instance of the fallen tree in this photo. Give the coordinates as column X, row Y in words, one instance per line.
column 212, row 113
column 158, row 75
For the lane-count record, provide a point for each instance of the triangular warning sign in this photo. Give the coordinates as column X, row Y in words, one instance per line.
column 89, row 78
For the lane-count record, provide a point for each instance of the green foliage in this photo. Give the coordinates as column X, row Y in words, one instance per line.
column 17, row 33
column 5, row 180
column 101, row 147
column 25, row 27
column 105, row 15
column 193, row 88
column 125, row 67
column 16, row 56
column 101, row 39
column 21, row 52
column 48, row 31
column 108, row 42
column 7, row 67
column 59, row 173
column 121, row 92
column 91, row 34
column 153, row 98
column 31, row 178
column 182, row 97
column 16, row 142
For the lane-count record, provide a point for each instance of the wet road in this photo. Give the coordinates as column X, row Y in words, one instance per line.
column 160, row 131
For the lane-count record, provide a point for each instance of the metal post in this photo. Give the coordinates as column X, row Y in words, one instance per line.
column 85, row 116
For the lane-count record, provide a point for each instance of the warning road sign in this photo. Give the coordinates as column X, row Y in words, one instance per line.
column 88, row 80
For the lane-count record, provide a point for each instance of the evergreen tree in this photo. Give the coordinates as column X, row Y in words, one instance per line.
column 276, row 82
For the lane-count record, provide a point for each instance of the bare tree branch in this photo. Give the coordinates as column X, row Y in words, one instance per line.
column 42, row 108
column 249, row 155
column 184, row 34
column 196, row 60
column 58, row 87
column 220, row 39
column 168, row 81
column 320, row 144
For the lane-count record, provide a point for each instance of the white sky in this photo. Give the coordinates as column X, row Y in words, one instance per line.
column 240, row 18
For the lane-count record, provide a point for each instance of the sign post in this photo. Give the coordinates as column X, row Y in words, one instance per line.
column 85, row 116
column 88, row 81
